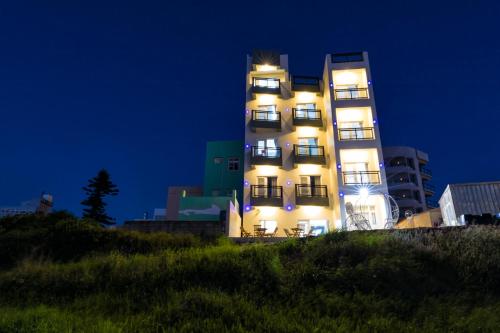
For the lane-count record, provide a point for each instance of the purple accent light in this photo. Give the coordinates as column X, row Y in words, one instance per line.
column 288, row 182
column 289, row 207
column 341, row 194
column 248, row 208
column 247, row 146
column 369, row 82
column 339, row 166
column 287, row 144
column 247, row 112
column 381, row 165
column 334, row 123
column 374, row 121
column 331, row 85
column 246, row 183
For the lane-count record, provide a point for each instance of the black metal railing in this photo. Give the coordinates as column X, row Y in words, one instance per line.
column 265, row 191
column 360, row 133
column 266, row 152
column 311, row 191
column 429, row 187
column 361, row 177
column 425, row 171
column 306, row 114
column 266, row 83
column 347, row 57
column 307, row 150
column 351, row 93
column 272, row 116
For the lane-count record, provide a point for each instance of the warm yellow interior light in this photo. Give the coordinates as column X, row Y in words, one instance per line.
column 311, row 211
column 307, row 132
column 305, row 97
column 310, row 169
column 266, row 99
column 266, row 68
column 266, row 170
column 267, row 211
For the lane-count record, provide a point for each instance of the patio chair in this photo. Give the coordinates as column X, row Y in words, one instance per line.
column 273, row 234
column 287, row 233
column 245, row 233
column 310, row 233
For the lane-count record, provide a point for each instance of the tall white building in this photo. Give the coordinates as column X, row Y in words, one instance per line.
column 312, row 145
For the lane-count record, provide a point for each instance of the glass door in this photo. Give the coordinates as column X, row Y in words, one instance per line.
column 271, row 115
column 306, row 110
column 355, row 173
column 353, row 132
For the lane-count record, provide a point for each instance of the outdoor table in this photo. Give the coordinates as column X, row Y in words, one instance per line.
column 297, row 231
column 261, row 232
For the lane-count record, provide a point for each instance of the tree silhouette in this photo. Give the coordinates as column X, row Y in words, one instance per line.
column 98, row 188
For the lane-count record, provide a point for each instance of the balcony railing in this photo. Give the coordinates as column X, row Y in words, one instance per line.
column 263, row 195
column 361, row 177
column 360, row 133
column 266, row 85
column 266, row 156
column 311, row 195
column 347, row 57
column 266, row 119
column 305, row 83
column 425, row 172
column 309, row 117
column 306, row 154
column 351, row 93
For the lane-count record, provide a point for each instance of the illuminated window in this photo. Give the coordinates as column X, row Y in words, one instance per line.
column 218, row 160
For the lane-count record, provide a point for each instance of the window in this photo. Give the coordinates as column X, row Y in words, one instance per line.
column 315, row 227
column 306, row 111
column 269, row 225
column 233, row 164
column 218, row 160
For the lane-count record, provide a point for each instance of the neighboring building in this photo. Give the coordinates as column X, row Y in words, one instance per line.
column 174, row 196
column 42, row 205
column 224, row 169
column 311, row 145
column 408, row 179
column 459, row 200
column 429, row 219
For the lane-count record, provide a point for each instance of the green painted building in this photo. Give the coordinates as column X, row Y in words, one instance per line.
column 224, row 169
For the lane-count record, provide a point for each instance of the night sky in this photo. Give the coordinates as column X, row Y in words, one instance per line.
column 138, row 88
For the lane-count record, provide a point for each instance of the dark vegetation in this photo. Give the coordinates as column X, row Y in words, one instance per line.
column 96, row 190
column 62, row 274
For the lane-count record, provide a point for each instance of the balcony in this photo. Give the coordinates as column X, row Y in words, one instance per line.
column 425, row 173
column 266, row 119
column 355, row 134
column 305, row 83
column 310, row 117
column 263, row 195
column 351, row 94
column 266, row 156
column 311, row 195
column 266, row 86
column 429, row 189
column 305, row 154
column 347, row 57
column 361, row 177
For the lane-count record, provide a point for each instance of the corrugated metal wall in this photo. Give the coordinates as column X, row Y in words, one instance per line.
column 476, row 199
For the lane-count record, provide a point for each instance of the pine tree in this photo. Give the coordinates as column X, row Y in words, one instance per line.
column 98, row 188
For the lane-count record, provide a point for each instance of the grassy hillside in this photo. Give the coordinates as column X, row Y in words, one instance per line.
column 71, row 276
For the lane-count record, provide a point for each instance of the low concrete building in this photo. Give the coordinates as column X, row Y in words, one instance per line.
column 428, row 219
column 459, row 200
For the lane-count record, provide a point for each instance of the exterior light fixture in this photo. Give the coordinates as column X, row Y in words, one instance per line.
column 381, row 165
column 248, row 208
column 341, row 194
column 339, row 166
column 335, row 123
column 331, row 85
column 369, row 82
column 246, row 183
column 374, row 121
column 247, row 146
column 287, row 109
column 287, row 144
column 289, row 207
column 288, row 182
column 364, row 192
column 247, row 112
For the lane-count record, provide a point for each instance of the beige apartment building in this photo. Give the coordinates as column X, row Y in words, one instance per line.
column 312, row 146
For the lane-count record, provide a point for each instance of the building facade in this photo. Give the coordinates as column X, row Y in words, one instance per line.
column 459, row 200
column 408, row 179
column 312, row 146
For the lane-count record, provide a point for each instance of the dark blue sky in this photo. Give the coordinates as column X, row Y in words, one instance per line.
column 136, row 87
